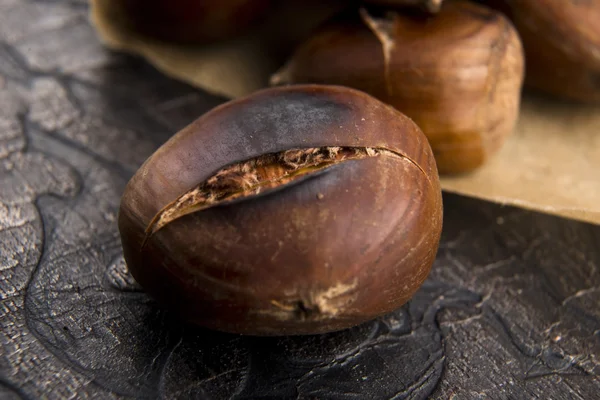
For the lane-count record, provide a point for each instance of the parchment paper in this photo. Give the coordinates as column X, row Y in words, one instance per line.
column 550, row 164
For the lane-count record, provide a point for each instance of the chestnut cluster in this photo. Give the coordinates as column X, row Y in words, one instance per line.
column 315, row 205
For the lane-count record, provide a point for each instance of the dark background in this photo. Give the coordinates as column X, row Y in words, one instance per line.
column 511, row 309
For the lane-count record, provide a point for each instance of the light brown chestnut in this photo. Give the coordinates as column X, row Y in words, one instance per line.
column 458, row 74
column 296, row 210
column 561, row 39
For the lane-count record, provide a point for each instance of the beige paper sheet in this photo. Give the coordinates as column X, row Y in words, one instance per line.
column 550, row 164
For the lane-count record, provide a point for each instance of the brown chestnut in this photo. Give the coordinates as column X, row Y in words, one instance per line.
column 562, row 45
column 296, row 210
column 458, row 74
column 428, row 5
column 194, row 21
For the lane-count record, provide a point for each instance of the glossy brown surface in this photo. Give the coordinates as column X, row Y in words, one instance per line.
column 194, row 21
column 561, row 39
column 322, row 253
column 457, row 74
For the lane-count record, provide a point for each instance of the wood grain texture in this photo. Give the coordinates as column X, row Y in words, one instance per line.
column 511, row 309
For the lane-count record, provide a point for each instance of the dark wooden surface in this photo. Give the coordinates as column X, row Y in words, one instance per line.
column 510, row 311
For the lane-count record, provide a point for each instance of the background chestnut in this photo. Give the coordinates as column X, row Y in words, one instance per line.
column 324, row 211
column 458, row 74
column 562, row 45
column 194, row 21
column 428, row 5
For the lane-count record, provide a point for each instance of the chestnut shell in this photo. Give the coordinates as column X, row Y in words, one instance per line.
column 458, row 74
column 194, row 21
column 562, row 45
column 431, row 6
column 338, row 248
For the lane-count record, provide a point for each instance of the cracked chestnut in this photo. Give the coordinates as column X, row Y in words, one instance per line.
column 458, row 73
column 296, row 210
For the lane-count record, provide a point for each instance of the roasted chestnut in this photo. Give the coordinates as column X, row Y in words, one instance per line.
column 562, row 45
column 428, row 5
column 296, row 210
column 458, row 74
column 193, row 21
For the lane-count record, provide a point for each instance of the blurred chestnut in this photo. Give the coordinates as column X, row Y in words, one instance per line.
column 562, row 45
column 296, row 210
column 429, row 5
column 194, row 21
column 458, row 74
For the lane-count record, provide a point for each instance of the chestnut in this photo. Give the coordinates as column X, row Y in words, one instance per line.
column 432, row 6
column 458, row 73
column 194, row 21
column 562, row 45
column 295, row 210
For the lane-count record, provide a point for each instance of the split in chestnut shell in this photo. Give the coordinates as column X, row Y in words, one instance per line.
column 296, row 210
